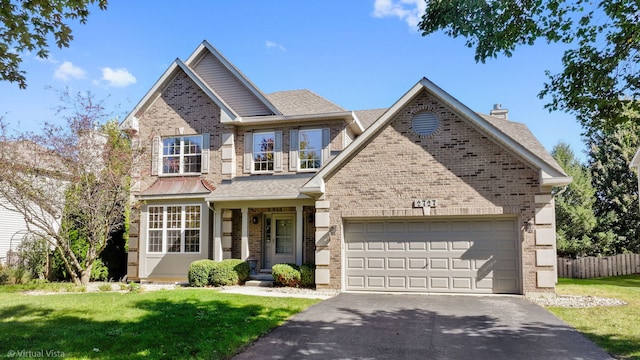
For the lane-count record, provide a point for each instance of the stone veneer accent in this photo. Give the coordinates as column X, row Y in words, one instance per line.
column 463, row 169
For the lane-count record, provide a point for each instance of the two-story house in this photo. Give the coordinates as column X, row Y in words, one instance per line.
column 426, row 195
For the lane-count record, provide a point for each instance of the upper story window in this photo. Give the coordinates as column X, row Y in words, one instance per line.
column 180, row 155
column 263, row 151
column 309, row 149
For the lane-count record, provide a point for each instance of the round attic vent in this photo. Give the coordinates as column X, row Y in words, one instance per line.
column 425, row 123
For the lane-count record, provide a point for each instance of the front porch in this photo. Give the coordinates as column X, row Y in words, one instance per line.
column 270, row 235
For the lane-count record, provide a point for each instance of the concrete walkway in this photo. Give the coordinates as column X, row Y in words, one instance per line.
column 381, row 326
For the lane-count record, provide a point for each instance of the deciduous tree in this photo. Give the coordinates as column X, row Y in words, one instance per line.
column 70, row 181
column 600, row 82
column 27, row 26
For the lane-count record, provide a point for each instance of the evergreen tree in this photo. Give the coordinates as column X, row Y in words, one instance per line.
column 575, row 218
column 616, row 187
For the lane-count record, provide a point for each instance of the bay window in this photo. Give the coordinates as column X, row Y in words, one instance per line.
column 173, row 229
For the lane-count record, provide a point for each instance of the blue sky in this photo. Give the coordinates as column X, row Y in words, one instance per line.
column 361, row 54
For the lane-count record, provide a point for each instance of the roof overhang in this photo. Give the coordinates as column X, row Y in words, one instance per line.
column 549, row 175
column 174, row 69
column 279, row 119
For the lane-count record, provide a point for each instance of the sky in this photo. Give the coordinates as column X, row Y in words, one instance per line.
column 359, row 54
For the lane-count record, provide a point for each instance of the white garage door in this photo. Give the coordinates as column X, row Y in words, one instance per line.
column 453, row 256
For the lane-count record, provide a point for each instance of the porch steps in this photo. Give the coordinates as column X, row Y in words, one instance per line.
column 261, row 279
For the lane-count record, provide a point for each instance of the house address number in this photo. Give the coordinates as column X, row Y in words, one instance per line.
column 418, row 203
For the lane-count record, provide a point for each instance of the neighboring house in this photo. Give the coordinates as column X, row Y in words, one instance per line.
column 14, row 228
column 425, row 196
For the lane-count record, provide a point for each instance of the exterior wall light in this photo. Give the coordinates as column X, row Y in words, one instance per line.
column 255, row 220
column 332, row 230
column 529, row 226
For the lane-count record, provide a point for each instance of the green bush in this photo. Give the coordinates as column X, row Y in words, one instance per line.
column 4, row 274
column 241, row 267
column 307, row 275
column 99, row 271
column 286, row 274
column 223, row 274
column 199, row 272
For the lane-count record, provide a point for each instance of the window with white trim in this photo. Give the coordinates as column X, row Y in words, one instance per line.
column 310, row 149
column 263, row 151
column 173, row 229
column 182, row 154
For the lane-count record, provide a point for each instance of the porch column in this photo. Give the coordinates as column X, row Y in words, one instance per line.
column 299, row 234
column 217, row 234
column 244, row 245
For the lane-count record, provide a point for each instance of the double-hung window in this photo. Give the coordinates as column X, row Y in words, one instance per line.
column 182, row 155
column 262, row 152
column 309, row 149
column 173, row 229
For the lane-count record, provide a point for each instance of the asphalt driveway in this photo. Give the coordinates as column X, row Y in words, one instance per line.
column 380, row 326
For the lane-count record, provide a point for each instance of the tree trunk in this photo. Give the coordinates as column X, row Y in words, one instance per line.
column 86, row 274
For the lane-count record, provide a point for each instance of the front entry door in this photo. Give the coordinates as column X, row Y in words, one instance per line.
column 283, row 239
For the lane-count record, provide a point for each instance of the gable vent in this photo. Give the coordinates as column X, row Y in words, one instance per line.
column 425, row 123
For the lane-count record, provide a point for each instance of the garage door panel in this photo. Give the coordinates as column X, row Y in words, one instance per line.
column 395, row 245
column 438, row 245
column 355, row 262
column 439, row 264
column 396, row 263
column 376, row 282
column 375, row 263
column 418, row 283
column 397, row 282
column 417, row 263
column 465, row 256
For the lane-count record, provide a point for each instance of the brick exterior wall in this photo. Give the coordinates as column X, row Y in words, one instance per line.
column 457, row 165
column 337, row 142
column 182, row 104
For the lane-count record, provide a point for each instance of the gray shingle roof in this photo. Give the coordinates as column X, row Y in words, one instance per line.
column 367, row 117
column 521, row 133
column 302, row 102
column 261, row 187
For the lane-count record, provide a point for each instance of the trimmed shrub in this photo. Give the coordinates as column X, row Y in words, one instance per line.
column 307, row 275
column 286, row 274
column 222, row 274
column 199, row 272
column 241, row 267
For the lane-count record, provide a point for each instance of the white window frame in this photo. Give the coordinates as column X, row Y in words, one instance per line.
column 162, row 227
column 165, row 158
column 272, row 152
column 294, row 148
column 318, row 149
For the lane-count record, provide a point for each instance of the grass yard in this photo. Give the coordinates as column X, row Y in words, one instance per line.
column 616, row 329
column 164, row 324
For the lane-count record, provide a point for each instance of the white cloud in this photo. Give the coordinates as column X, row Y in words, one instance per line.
column 270, row 44
column 118, row 77
column 67, row 71
column 410, row 11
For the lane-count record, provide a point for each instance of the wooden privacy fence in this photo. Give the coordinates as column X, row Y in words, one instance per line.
column 592, row 267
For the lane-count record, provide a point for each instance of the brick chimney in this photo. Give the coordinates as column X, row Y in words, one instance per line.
column 498, row 111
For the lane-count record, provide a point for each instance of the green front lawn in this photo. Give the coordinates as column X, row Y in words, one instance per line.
column 616, row 329
column 164, row 324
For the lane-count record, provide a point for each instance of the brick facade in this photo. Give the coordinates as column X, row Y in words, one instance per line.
column 457, row 165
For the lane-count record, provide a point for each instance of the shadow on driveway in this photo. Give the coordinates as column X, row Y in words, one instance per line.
column 381, row 326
